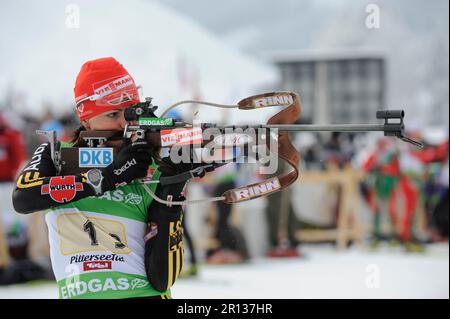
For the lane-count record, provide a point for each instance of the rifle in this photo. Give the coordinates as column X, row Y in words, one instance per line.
column 167, row 132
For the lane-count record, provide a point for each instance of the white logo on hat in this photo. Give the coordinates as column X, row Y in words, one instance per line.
column 114, row 86
column 124, row 97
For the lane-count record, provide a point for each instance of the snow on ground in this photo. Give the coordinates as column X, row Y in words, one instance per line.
column 322, row 272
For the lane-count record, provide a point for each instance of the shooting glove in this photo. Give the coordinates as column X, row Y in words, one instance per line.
column 131, row 162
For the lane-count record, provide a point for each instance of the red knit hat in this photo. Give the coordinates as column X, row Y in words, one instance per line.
column 103, row 85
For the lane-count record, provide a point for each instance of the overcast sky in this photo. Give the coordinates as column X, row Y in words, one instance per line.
column 296, row 23
column 412, row 36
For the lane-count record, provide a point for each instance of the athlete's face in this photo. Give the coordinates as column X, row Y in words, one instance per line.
column 109, row 121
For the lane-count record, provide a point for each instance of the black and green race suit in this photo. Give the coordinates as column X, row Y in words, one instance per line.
column 122, row 244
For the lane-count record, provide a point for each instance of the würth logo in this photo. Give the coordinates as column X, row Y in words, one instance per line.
column 62, row 189
column 97, row 265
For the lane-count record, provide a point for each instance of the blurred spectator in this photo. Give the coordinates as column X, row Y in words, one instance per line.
column 411, row 176
column 12, row 151
column 12, row 156
column 310, row 144
column 435, row 189
column 338, row 150
column 70, row 124
column 50, row 123
column 232, row 245
column 440, row 211
column 282, row 221
column 384, row 168
column 403, row 181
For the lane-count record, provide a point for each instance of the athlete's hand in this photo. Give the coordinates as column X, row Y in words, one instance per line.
column 131, row 162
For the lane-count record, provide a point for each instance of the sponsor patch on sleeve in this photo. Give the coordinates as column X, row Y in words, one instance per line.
column 62, row 189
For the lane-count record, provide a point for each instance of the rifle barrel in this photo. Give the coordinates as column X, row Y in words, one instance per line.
column 294, row 127
column 328, row 128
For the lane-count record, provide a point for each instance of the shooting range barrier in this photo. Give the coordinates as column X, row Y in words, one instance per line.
column 348, row 226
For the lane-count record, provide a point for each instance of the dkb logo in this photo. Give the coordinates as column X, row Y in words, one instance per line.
column 95, row 157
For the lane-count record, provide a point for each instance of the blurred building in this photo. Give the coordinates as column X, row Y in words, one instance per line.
column 335, row 87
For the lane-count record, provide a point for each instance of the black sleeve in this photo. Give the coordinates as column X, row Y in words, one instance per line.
column 164, row 253
column 38, row 187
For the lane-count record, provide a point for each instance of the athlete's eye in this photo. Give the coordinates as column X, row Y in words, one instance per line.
column 113, row 115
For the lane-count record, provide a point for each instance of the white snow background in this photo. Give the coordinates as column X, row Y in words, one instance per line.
column 322, row 272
